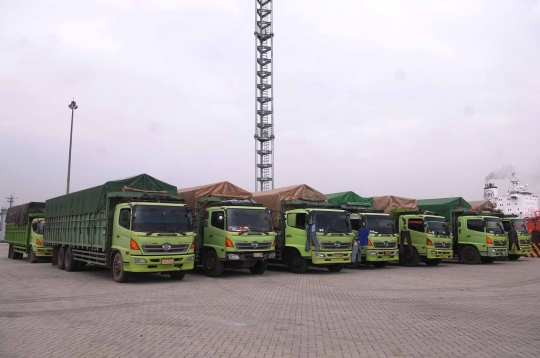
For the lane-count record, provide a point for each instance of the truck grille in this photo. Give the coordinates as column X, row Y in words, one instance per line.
column 335, row 245
column 525, row 242
column 253, row 246
column 384, row 245
column 499, row 243
column 442, row 245
column 159, row 248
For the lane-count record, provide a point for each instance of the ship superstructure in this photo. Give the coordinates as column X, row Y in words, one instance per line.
column 518, row 200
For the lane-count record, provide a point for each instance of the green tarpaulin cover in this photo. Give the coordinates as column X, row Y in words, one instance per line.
column 94, row 200
column 443, row 206
column 347, row 197
column 19, row 214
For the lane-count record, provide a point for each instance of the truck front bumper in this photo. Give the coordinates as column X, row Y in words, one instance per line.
column 43, row 251
column 328, row 258
column 439, row 254
column 525, row 250
column 245, row 256
column 496, row 252
column 382, row 255
column 160, row 263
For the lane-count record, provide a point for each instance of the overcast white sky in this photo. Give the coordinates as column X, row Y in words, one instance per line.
column 412, row 98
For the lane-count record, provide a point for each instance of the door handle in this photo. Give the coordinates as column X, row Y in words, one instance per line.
column 288, row 235
column 117, row 235
column 211, row 235
column 468, row 235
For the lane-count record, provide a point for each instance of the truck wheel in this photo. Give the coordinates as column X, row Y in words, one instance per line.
column 513, row 257
column 469, row 255
column 61, row 261
column 487, row 260
column 69, row 263
column 410, row 258
column 118, row 272
column 177, row 275
column 10, row 252
column 379, row 264
column 212, row 266
column 259, row 268
column 353, row 265
column 297, row 263
column 335, row 267
column 433, row 262
column 32, row 255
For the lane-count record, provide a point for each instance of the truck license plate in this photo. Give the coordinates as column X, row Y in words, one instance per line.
column 258, row 254
column 387, row 253
column 444, row 256
column 338, row 255
column 167, row 261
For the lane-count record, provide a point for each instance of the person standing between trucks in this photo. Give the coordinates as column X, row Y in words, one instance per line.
column 360, row 241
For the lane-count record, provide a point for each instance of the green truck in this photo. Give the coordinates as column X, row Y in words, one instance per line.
column 310, row 231
column 476, row 237
column 523, row 235
column 383, row 240
column 430, row 236
column 24, row 232
column 133, row 225
column 233, row 231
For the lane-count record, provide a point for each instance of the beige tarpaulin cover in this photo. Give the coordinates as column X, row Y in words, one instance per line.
column 482, row 205
column 389, row 202
column 272, row 198
column 223, row 189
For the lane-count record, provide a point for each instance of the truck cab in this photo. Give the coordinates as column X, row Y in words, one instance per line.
column 524, row 237
column 430, row 238
column 383, row 240
column 333, row 232
column 151, row 237
column 479, row 238
column 234, row 234
column 36, row 249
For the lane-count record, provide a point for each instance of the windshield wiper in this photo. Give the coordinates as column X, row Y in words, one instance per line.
column 243, row 231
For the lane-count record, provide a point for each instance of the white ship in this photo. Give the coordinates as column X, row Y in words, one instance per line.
column 518, row 200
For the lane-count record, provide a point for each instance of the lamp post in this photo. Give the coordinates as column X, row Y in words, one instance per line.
column 73, row 107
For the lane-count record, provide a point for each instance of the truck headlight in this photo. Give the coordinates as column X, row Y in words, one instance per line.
column 271, row 255
column 138, row 260
column 373, row 253
column 234, row 257
column 493, row 250
column 190, row 258
column 434, row 252
column 320, row 255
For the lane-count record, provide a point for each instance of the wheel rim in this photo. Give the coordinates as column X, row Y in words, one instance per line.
column 210, row 263
column 117, row 266
column 469, row 255
column 407, row 256
column 295, row 262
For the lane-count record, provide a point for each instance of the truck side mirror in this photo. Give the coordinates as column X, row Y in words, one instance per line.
column 205, row 223
column 206, row 215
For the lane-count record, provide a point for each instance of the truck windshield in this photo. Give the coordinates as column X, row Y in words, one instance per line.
column 436, row 226
column 381, row 224
column 153, row 218
column 520, row 227
column 494, row 226
column 328, row 221
column 249, row 220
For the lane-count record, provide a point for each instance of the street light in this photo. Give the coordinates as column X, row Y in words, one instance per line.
column 73, row 107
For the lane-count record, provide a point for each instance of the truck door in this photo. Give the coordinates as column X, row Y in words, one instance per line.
column 475, row 234
column 295, row 232
column 214, row 234
column 418, row 235
column 122, row 229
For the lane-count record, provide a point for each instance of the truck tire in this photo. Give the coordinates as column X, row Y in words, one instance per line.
column 32, row 255
column 259, row 268
column 469, row 255
column 334, row 267
column 353, row 265
column 212, row 266
column 61, row 263
column 10, row 252
column 433, row 262
column 410, row 258
column 513, row 257
column 117, row 269
column 297, row 263
column 487, row 260
column 177, row 275
column 70, row 264
column 379, row 264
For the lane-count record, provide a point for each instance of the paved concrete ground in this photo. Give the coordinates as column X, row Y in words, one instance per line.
column 447, row 311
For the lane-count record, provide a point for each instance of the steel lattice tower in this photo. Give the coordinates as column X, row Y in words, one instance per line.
column 264, row 117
